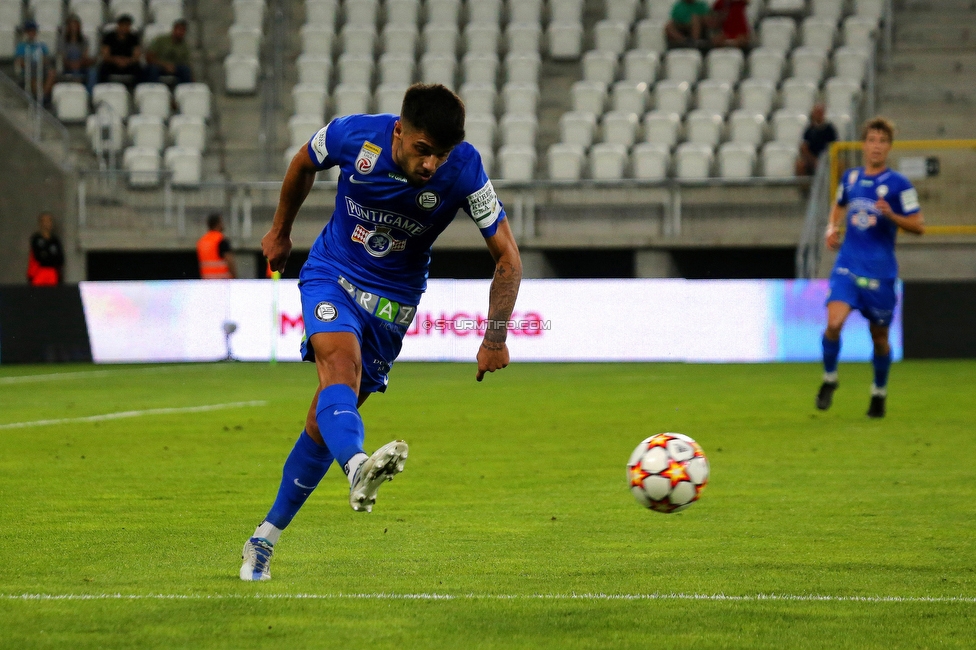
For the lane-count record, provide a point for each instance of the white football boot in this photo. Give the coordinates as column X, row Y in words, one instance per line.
column 385, row 463
column 257, row 559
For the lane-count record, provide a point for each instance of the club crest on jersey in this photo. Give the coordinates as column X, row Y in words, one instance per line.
column 862, row 220
column 428, row 200
column 326, row 312
column 852, row 177
column 379, row 242
column 368, row 155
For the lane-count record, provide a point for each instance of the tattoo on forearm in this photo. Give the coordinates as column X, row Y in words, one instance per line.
column 501, row 302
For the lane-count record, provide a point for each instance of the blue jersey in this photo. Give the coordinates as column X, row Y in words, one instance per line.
column 868, row 250
column 382, row 229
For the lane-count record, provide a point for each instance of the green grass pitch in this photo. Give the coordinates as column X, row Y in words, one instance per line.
column 512, row 525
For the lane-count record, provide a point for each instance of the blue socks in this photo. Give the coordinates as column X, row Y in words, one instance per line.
column 882, row 364
column 306, row 465
column 340, row 423
column 831, row 351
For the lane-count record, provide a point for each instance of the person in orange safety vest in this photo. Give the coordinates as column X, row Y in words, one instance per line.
column 213, row 252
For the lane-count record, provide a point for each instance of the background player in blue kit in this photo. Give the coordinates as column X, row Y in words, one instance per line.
column 402, row 181
column 874, row 201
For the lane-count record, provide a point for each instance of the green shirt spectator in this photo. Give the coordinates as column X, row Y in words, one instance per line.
column 683, row 11
column 169, row 55
column 166, row 50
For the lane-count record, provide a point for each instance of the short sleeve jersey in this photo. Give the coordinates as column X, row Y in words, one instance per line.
column 382, row 229
column 869, row 243
column 682, row 12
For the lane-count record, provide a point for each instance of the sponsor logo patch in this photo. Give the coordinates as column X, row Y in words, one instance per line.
column 379, row 242
column 386, row 218
column 326, row 312
column 368, row 155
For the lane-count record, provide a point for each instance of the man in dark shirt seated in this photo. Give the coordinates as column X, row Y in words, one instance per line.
column 816, row 138
column 121, row 51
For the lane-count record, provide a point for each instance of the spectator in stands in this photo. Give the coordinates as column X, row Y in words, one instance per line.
column 688, row 25
column 121, row 53
column 816, row 138
column 730, row 24
column 213, row 252
column 31, row 56
column 46, row 257
column 77, row 64
column 169, row 55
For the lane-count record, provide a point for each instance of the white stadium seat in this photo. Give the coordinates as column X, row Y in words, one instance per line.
column 756, row 95
column 11, row 12
column 113, row 95
column 565, row 40
column 309, row 99
column 788, row 126
column 479, row 130
column 611, row 36
column 355, row 68
column 766, row 64
column 748, row 127
column 725, row 64
column 322, row 12
column 564, row 10
column 630, row 97
column 565, row 161
column 358, row 40
column 714, row 95
column 317, row 40
column 165, row 13
column 620, row 127
column 314, row 69
column 482, row 37
column 523, row 67
column 520, row 97
column 523, row 37
column 650, row 36
column 104, row 131
column 389, row 97
column 240, row 73
column 589, row 96
column 134, row 8
column 599, row 65
column 361, row 12
column 577, row 127
column 736, row 160
column 400, row 39
column 151, row 31
column 608, row 162
column 850, row 63
column 779, row 159
column 248, row 13
column 672, row 96
column 438, row 69
column 798, row 95
column 401, row 12
column 146, row 131
column 519, row 128
column 786, row 7
column 479, row 98
column 659, row 10
column 623, row 10
column 485, row 12
column 351, row 99
column 693, row 161
column 480, row 68
column 840, row 95
column 153, row 99
column 440, row 38
column 90, row 12
column 70, row 101
column 397, row 68
column 186, row 166
column 142, row 165
column 869, row 9
column 827, row 9
column 245, row 41
column 650, row 161
column 662, row 127
column 808, row 63
column 190, row 131
column 640, row 65
column 859, row 32
column 525, row 11
column 777, row 33
column 193, row 99
column 819, row 33
column 683, row 64
column 704, row 127
column 517, row 162
column 842, row 124
column 443, row 12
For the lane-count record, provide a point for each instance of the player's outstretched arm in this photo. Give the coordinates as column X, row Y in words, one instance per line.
column 276, row 245
column 493, row 353
column 833, row 223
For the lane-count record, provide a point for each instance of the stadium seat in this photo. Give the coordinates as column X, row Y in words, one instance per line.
column 650, row 161
column 142, row 166
column 777, row 33
column 693, row 161
column 523, row 37
column 48, row 14
column 520, row 97
column 134, row 8
column 850, row 63
column 193, row 99
column 565, row 40
column 788, row 126
column 186, row 166
column 439, row 69
column 351, row 99
column 589, row 96
column 620, row 127
column 525, row 11
column 358, row 40
column 819, row 33
column 756, row 95
column 245, row 41
column 309, row 100
column 859, row 32
column 841, row 94
column 611, row 36
column 485, row 12
column 480, row 68
column 8, row 40
column 747, row 127
column 714, row 96
column 808, row 63
column 798, row 95
column 786, row 7
column 164, row 13
column 704, row 127
column 153, row 30
column 766, row 64
column 577, row 127
column 397, row 68
column 316, row 40
column 683, row 64
column 523, row 67
column 640, row 65
column 389, row 97
column 443, row 12
column 599, row 65
column 70, row 101
column 104, row 130
column 91, row 13
column 479, row 130
column 146, row 131
column 563, row 10
column 779, row 160
column 519, row 128
column 650, row 36
column 290, row 153
column 240, row 74
column 662, row 127
column 672, row 96
column 114, row 95
column 153, row 99
column 400, row 39
column 659, row 10
column 323, row 12
column 608, row 162
column 479, row 98
column 482, row 38
column 361, row 12
column 736, row 160
column 830, row 10
column 314, row 69
column 565, row 161
column 440, row 38
column 624, row 11
column 725, row 64
column 189, row 132
column 843, row 124
column 249, row 13
column 355, row 68
column 402, row 12
column 11, row 12
column 301, row 128
column 869, row 9
column 630, row 97
column 517, row 162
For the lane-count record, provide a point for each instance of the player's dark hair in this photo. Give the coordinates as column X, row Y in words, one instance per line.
column 213, row 219
column 879, row 123
column 435, row 110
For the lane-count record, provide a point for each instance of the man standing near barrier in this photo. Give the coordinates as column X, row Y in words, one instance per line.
column 402, row 181
column 875, row 202
column 214, row 252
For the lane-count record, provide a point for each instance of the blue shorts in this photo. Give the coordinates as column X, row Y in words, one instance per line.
column 331, row 304
column 876, row 299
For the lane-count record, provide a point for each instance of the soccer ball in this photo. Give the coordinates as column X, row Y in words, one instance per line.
column 667, row 472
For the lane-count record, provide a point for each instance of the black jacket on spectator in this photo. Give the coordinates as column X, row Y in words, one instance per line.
column 47, row 252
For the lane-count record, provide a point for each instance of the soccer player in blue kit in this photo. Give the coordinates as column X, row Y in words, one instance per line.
column 402, row 181
column 875, row 202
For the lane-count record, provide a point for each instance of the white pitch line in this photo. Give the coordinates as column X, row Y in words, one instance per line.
column 86, row 374
column 435, row 596
column 134, row 414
